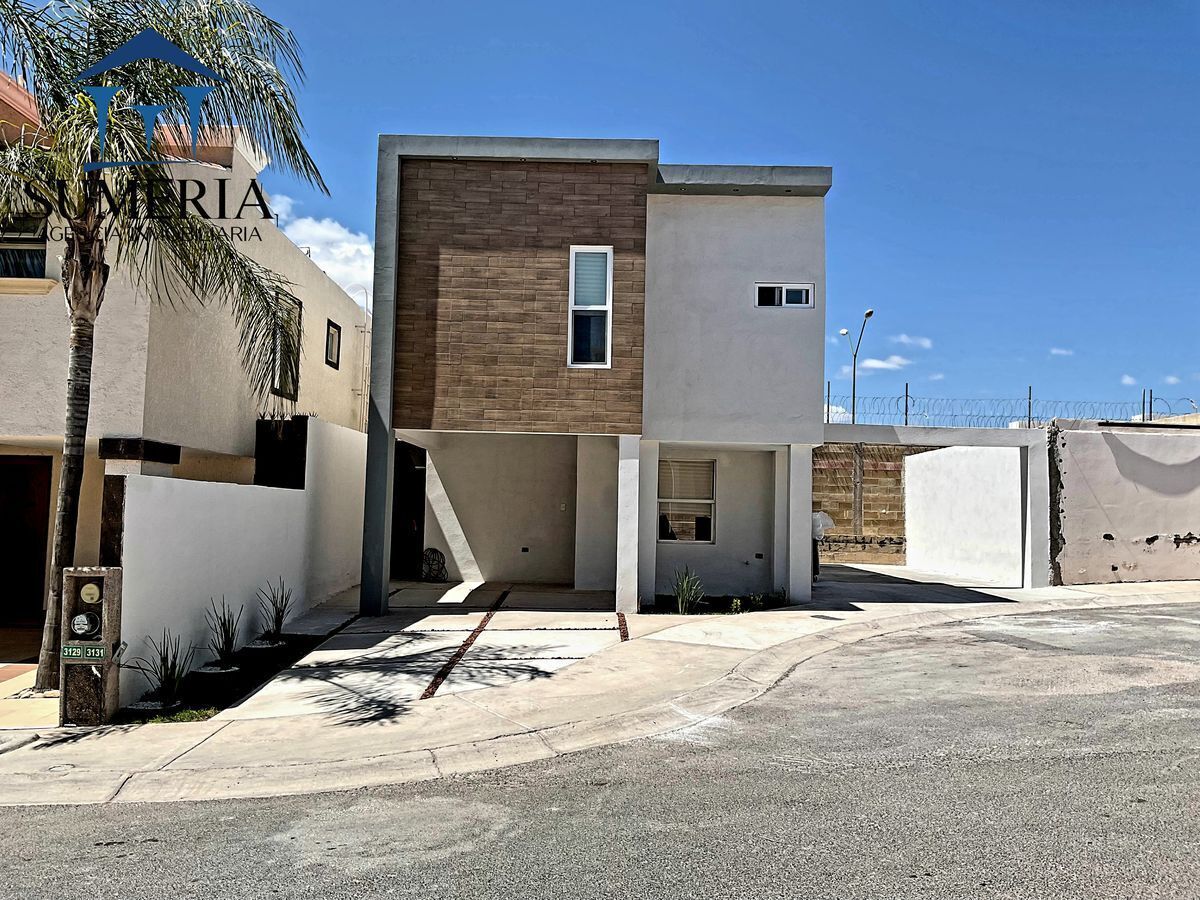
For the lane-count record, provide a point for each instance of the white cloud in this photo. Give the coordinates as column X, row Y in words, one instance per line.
column 1061, row 351
column 890, row 364
column 909, row 340
column 345, row 256
column 1128, row 380
column 937, row 376
column 839, row 415
column 1172, row 379
column 844, row 372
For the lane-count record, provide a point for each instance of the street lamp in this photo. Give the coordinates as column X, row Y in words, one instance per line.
column 845, row 332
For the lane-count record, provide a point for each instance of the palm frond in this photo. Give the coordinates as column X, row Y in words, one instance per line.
column 185, row 260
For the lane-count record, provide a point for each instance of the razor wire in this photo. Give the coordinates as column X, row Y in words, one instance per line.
column 1022, row 412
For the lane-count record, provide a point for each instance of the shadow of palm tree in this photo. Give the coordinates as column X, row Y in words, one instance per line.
column 379, row 686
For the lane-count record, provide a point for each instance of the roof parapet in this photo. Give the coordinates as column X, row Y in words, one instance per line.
column 795, row 181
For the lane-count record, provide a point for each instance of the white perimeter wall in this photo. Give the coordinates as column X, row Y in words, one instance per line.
column 964, row 513
column 1130, row 505
column 743, row 524
column 333, row 486
column 489, row 495
column 186, row 541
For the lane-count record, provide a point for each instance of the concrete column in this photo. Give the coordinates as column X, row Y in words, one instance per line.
column 596, row 476
column 629, row 520
column 647, row 558
column 1035, row 465
column 381, row 438
column 779, row 547
column 799, row 581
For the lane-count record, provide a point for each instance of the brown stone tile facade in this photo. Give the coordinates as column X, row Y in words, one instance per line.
column 482, row 294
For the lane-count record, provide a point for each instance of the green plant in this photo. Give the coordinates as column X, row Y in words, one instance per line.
column 687, row 590
column 274, row 604
column 184, row 260
column 224, row 627
column 165, row 669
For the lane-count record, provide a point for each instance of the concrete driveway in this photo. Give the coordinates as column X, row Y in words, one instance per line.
column 438, row 640
column 1026, row 756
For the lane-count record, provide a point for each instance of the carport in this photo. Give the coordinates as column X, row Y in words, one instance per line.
column 976, row 507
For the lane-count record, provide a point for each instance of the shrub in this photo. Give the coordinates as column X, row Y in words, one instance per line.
column 224, row 627
column 165, row 669
column 687, row 590
column 274, row 604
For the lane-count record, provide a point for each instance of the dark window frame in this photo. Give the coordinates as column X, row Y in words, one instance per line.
column 23, row 237
column 330, row 327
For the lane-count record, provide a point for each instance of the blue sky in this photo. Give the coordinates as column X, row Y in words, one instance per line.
column 1015, row 183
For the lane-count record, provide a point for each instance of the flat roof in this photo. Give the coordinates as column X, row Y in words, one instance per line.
column 797, row 181
column 800, row 181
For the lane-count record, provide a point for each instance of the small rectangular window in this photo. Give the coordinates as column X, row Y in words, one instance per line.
column 23, row 247
column 333, row 344
column 589, row 322
column 286, row 380
column 796, row 296
column 686, row 500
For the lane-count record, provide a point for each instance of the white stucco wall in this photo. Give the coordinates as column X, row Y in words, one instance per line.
column 334, row 476
column 596, row 513
column 489, row 495
column 187, row 541
column 964, row 513
column 743, row 525
column 717, row 367
column 1130, row 506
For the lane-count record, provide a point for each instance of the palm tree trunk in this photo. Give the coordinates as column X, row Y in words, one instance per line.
column 79, row 400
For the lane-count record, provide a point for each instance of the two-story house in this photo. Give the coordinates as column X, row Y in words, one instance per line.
column 169, row 396
column 592, row 369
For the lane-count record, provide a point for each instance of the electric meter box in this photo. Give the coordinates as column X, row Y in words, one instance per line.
column 89, row 685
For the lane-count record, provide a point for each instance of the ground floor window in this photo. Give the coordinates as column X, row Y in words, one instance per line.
column 686, row 500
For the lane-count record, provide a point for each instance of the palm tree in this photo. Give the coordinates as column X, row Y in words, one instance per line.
column 173, row 258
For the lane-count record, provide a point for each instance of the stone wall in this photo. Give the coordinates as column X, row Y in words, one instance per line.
column 861, row 486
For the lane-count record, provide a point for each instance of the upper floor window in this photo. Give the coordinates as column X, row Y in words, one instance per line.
column 285, row 382
column 333, row 344
column 23, row 248
column 796, row 296
column 589, row 326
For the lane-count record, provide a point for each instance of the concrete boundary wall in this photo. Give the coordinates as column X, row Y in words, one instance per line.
column 187, row 541
column 964, row 513
column 182, row 542
column 1127, row 505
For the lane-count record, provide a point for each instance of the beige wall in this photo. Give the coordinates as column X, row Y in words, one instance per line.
column 174, row 373
column 1128, row 506
column 489, row 495
column 743, row 525
column 197, row 394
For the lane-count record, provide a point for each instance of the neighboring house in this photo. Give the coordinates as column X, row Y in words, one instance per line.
column 592, row 369
column 167, row 379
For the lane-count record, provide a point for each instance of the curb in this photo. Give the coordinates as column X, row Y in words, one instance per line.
column 745, row 682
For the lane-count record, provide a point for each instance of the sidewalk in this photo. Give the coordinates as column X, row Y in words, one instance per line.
column 672, row 672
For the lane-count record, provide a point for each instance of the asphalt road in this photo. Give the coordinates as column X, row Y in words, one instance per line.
column 1053, row 755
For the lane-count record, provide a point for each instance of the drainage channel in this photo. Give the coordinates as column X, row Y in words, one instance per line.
column 448, row 667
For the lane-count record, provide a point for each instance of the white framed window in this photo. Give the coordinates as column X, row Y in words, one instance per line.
column 589, row 314
column 687, row 502
column 789, row 296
